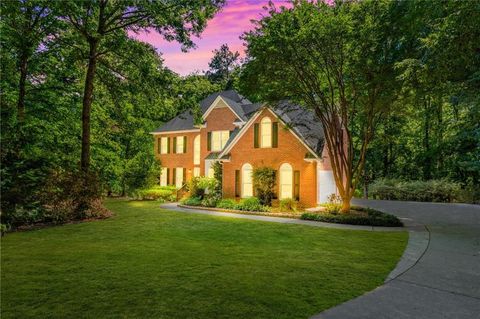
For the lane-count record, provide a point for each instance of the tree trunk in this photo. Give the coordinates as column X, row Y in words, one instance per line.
column 346, row 205
column 87, row 105
column 21, row 89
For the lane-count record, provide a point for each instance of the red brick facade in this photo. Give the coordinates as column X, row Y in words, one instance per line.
column 290, row 150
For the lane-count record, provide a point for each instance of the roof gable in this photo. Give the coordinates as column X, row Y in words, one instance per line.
column 312, row 139
column 222, row 102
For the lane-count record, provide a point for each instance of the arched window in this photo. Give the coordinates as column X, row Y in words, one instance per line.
column 286, row 181
column 196, row 150
column 247, row 182
column 266, row 132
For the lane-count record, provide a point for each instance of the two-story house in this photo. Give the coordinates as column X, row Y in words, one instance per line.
column 242, row 136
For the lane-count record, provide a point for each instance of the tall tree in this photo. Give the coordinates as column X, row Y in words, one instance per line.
column 25, row 25
column 336, row 59
column 102, row 24
column 223, row 65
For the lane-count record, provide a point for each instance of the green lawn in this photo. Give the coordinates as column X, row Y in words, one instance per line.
column 146, row 262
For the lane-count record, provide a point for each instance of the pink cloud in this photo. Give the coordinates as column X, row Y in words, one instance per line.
column 226, row 27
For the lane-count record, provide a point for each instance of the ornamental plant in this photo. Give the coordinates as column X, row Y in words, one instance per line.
column 264, row 180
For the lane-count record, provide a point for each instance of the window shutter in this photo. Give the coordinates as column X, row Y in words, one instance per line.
column 184, row 175
column 168, row 176
column 175, row 144
column 174, row 177
column 237, row 183
column 296, row 185
column 184, row 144
column 255, row 135
column 209, row 141
column 168, row 144
column 277, row 186
column 159, row 144
column 275, row 134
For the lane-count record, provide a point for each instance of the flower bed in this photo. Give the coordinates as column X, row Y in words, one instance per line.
column 356, row 216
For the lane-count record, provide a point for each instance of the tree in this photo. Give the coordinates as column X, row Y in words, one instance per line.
column 103, row 24
column 336, row 60
column 223, row 65
column 25, row 25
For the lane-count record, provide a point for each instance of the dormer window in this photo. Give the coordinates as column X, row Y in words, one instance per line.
column 266, row 132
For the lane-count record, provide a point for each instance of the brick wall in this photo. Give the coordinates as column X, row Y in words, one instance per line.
column 219, row 119
column 290, row 150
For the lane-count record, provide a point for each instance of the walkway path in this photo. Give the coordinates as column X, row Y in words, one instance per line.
column 443, row 283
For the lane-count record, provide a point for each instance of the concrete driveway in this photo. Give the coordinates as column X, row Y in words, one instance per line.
column 443, row 283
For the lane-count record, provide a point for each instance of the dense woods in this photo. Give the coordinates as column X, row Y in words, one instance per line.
column 79, row 95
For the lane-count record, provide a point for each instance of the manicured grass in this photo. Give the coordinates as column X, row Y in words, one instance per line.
column 146, row 262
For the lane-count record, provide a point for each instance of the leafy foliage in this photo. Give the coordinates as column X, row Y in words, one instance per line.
column 251, row 204
column 288, row 205
column 264, row 180
column 426, row 191
column 359, row 216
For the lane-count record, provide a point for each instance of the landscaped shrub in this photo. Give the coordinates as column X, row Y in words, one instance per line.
column 64, row 196
column 198, row 186
column 288, row 205
column 216, row 190
column 251, row 204
column 428, row 191
column 162, row 193
column 192, row 201
column 264, row 179
column 210, row 200
column 227, row 203
column 358, row 216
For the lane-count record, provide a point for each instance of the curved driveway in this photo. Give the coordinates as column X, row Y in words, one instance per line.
column 443, row 283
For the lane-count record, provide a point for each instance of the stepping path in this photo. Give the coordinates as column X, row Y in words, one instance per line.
column 444, row 281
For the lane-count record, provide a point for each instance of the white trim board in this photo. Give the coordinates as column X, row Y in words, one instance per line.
column 250, row 122
column 175, row 132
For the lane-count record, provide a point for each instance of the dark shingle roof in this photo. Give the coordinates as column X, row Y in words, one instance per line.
column 232, row 95
column 304, row 122
column 183, row 121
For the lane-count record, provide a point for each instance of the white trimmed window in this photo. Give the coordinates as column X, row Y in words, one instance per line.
column 179, row 146
column 164, row 145
column 163, row 176
column 196, row 150
column 219, row 139
column 196, row 171
column 178, row 177
column 247, row 181
column 266, row 132
column 286, row 181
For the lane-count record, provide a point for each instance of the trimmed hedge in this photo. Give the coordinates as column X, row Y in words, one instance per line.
column 373, row 218
column 162, row 193
column 440, row 190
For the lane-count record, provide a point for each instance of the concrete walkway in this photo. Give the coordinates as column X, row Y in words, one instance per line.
column 283, row 220
column 444, row 282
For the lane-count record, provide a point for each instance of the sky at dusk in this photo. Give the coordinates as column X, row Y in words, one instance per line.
column 225, row 27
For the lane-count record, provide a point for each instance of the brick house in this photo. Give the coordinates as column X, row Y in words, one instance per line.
column 242, row 136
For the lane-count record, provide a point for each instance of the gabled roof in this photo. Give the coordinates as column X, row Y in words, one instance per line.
column 182, row 122
column 303, row 122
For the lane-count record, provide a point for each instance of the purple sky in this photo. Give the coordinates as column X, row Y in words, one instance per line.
column 225, row 27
